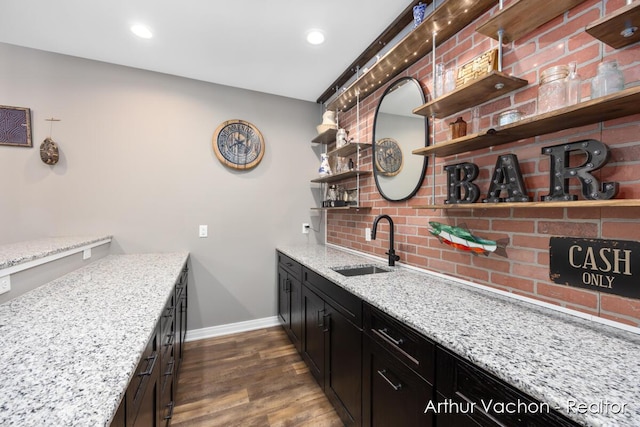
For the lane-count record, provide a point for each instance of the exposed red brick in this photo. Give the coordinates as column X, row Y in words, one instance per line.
column 526, row 271
column 568, row 294
column 512, row 282
column 573, row 229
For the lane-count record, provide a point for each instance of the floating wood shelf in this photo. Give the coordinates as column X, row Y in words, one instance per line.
column 326, row 137
column 345, row 208
column 349, row 149
column 476, row 92
column 536, row 205
column 341, row 176
column 609, row 29
column 619, row 104
column 447, row 20
column 524, row 16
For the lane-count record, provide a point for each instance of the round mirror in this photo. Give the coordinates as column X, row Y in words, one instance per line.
column 396, row 133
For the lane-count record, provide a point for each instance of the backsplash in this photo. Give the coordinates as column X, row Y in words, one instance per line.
column 526, row 269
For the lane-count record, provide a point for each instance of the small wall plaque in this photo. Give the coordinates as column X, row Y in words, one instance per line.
column 610, row 266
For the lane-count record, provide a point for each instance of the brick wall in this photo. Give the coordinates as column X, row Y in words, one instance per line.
column 526, row 270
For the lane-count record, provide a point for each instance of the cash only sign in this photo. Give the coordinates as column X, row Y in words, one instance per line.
column 610, row 266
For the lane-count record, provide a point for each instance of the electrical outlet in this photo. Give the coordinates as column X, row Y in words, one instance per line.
column 305, row 228
column 203, row 231
column 5, row 284
column 86, row 254
column 367, row 234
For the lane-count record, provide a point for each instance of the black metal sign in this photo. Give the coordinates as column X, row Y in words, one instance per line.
column 610, row 266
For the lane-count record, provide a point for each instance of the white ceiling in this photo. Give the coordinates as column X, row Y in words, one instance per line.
column 252, row 44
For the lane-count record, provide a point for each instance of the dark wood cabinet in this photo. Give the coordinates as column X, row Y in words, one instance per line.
column 332, row 343
column 149, row 399
column 398, row 373
column 290, row 298
column 475, row 397
column 392, row 375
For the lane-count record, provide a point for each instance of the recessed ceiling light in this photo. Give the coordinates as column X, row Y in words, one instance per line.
column 315, row 37
column 141, row 31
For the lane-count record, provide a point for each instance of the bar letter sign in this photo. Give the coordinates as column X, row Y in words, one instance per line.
column 611, row 266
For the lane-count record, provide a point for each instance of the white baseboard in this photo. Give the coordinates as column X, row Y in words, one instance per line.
column 232, row 328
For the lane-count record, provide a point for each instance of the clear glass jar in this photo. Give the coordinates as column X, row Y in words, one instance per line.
column 438, row 81
column 574, row 85
column 608, row 80
column 552, row 92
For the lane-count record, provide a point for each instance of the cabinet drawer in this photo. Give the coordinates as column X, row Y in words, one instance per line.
column 182, row 282
column 144, row 378
column 342, row 300
column 413, row 349
column 168, row 315
column 293, row 267
column 394, row 395
column 462, row 382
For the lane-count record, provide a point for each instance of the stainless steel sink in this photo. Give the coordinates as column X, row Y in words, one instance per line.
column 360, row 270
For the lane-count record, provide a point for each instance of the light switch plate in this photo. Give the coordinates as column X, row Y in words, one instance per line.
column 5, row 284
column 203, row 231
column 367, row 234
column 86, row 254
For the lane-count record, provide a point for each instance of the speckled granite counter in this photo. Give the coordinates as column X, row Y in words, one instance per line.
column 557, row 358
column 13, row 254
column 70, row 347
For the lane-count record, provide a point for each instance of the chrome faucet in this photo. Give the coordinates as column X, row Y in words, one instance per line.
column 392, row 253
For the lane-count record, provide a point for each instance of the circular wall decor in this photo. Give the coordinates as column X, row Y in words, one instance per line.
column 388, row 157
column 238, row 144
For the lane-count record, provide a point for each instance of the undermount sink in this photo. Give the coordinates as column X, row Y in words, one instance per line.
column 360, row 270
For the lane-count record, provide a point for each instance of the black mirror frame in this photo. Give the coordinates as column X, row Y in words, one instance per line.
column 426, row 140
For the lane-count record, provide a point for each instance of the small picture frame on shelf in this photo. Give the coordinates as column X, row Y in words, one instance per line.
column 15, row 126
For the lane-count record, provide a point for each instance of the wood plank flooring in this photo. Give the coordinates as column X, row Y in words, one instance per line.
column 254, row 378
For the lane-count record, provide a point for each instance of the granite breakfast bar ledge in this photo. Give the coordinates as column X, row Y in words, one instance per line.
column 71, row 346
column 559, row 359
column 14, row 256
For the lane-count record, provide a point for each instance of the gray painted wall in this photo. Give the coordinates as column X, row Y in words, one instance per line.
column 136, row 162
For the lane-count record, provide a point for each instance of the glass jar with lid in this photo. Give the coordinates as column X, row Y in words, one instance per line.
column 552, row 92
column 608, row 80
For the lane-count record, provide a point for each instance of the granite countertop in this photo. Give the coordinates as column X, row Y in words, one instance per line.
column 70, row 347
column 13, row 254
column 557, row 358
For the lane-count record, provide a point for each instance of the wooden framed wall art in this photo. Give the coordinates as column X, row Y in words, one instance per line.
column 15, row 126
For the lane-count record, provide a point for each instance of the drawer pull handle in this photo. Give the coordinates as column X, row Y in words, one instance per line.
column 287, row 286
column 320, row 318
column 395, row 386
column 169, row 370
column 170, row 405
column 150, row 366
column 385, row 333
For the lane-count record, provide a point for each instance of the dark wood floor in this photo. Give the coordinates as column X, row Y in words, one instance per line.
column 254, row 378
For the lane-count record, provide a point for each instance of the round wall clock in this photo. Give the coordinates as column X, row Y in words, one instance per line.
column 388, row 157
column 238, row 144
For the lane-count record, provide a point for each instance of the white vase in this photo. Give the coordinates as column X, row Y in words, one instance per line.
column 325, row 169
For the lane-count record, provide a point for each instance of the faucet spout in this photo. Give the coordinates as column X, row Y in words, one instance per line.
column 392, row 253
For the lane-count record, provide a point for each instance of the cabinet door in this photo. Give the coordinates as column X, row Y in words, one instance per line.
column 343, row 383
column 284, row 308
column 394, row 395
column 295, row 312
column 314, row 333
